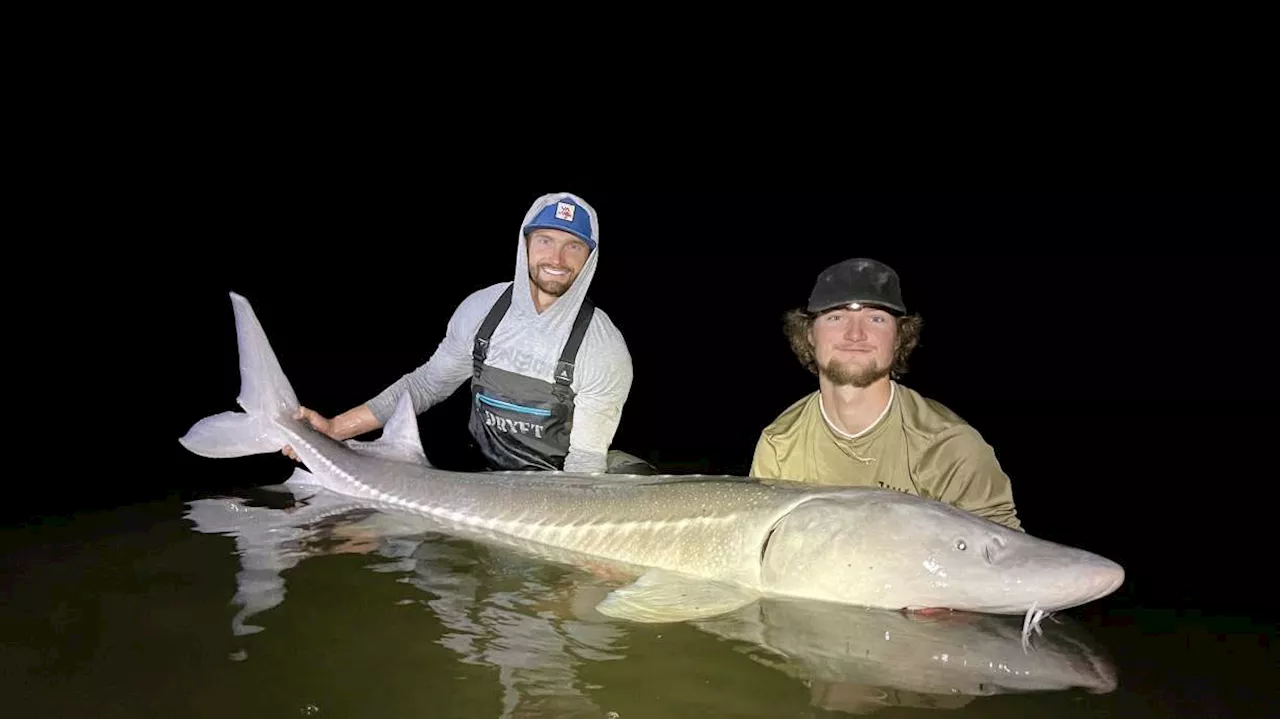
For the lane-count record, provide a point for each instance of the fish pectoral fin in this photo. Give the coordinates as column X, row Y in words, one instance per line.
column 661, row 596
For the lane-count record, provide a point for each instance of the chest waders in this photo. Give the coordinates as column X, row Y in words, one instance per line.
column 520, row 422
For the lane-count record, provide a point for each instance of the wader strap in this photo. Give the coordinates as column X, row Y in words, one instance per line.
column 480, row 350
column 564, row 367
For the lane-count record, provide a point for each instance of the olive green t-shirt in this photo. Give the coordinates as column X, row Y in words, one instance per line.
column 918, row 446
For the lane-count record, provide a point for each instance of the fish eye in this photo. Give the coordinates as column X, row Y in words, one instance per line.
column 960, row 544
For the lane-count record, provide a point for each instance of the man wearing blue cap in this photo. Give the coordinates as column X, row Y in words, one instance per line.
column 861, row 427
column 549, row 371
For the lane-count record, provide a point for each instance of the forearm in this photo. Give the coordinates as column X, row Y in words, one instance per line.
column 354, row 422
column 424, row 388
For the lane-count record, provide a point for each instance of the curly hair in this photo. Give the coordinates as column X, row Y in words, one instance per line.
column 796, row 324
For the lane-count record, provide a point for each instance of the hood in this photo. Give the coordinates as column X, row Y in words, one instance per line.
column 565, row 309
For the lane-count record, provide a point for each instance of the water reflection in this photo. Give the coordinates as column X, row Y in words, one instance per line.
column 534, row 621
column 858, row 659
column 508, row 613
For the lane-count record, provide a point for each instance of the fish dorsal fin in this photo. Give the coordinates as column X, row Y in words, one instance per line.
column 662, row 596
column 400, row 440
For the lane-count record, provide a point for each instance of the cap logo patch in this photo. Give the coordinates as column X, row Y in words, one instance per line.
column 564, row 211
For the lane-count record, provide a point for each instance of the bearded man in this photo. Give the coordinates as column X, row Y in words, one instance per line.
column 861, row 426
column 549, row 372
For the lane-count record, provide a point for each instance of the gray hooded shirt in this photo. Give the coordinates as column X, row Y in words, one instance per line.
column 529, row 343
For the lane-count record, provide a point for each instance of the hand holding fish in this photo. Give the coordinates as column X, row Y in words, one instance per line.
column 318, row 422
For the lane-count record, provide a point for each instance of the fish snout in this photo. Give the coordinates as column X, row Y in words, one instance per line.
column 1098, row 580
column 1109, row 577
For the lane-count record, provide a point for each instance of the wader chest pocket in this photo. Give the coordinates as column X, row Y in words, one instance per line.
column 533, row 411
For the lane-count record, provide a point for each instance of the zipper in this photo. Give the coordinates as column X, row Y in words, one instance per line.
column 514, row 407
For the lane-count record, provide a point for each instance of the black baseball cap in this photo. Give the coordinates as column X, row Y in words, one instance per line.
column 858, row 280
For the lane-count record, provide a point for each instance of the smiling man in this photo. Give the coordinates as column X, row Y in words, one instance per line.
column 549, row 371
column 861, row 427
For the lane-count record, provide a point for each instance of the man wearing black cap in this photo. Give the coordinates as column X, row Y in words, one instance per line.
column 549, row 372
column 861, row 427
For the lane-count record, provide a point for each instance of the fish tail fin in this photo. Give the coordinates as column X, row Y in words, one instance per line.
column 265, row 393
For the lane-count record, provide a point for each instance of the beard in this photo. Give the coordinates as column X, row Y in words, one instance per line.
column 840, row 373
column 551, row 286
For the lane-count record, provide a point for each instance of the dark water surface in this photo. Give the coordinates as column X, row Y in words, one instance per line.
column 137, row 612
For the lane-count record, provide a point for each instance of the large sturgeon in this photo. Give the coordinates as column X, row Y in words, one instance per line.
column 700, row 546
column 848, row 656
